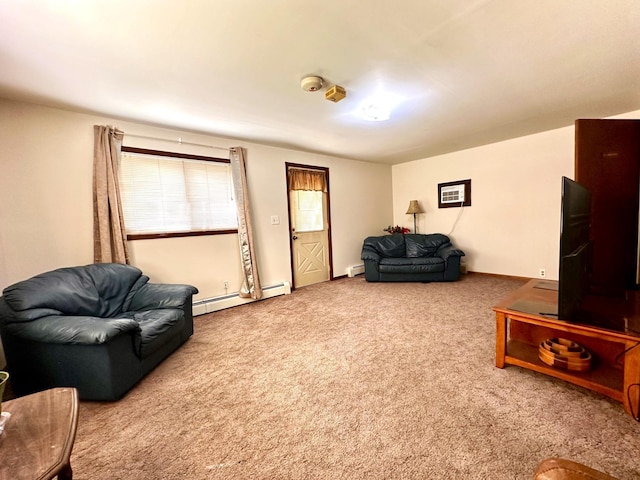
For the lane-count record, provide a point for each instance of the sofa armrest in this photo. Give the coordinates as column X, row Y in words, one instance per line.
column 371, row 263
column 372, row 271
column 447, row 251
column 65, row 329
column 161, row 295
column 369, row 253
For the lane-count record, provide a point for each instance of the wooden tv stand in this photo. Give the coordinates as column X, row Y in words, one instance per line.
column 521, row 326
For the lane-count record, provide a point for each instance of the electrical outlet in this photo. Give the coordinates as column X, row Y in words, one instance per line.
column 542, row 273
column 226, row 285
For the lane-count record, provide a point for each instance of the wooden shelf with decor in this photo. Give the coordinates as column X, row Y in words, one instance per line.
column 523, row 322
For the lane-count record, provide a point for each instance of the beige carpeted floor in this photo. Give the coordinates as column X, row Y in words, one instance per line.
column 352, row 380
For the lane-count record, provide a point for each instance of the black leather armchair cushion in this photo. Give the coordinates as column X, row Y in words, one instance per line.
column 89, row 290
column 390, row 246
column 423, row 245
column 154, row 325
column 415, row 265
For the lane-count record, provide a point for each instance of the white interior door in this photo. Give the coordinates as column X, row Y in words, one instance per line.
column 309, row 237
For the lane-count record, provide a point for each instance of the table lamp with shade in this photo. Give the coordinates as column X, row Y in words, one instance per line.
column 414, row 209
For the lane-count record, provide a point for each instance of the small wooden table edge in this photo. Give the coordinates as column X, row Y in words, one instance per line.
column 62, row 467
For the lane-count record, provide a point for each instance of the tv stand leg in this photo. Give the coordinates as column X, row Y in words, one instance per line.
column 631, row 389
column 501, row 339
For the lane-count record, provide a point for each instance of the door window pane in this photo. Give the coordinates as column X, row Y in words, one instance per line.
column 308, row 214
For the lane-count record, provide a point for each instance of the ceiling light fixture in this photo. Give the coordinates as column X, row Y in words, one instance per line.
column 375, row 113
column 378, row 107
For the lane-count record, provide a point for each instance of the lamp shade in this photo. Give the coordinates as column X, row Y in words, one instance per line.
column 414, row 207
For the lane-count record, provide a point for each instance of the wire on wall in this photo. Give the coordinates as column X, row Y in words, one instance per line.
column 455, row 223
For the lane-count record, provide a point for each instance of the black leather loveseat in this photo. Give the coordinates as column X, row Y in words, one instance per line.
column 411, row 258
column 99, row 328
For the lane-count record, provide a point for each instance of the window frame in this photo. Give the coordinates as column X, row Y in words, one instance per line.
column 186, row 156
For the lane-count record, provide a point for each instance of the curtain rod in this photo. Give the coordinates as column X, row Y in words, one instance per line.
column 178, row 140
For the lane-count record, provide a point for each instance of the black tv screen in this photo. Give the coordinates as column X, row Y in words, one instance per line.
column 575, row 249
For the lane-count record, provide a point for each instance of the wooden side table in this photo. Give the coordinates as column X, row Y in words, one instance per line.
column 38, row 438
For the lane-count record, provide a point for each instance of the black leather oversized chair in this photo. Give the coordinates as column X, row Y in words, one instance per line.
column 99, row 328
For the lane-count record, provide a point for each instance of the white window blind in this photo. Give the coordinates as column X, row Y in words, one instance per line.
column 163, row 195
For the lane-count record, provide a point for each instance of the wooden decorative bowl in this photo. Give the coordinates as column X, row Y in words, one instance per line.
column 565, row 354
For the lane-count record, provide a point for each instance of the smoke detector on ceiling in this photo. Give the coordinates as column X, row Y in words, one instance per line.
column 311, row 84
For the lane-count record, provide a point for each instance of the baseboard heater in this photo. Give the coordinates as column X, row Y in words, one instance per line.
column 214, row 304
column 355, row 270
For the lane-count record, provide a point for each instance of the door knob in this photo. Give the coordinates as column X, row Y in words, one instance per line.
column 294, row 238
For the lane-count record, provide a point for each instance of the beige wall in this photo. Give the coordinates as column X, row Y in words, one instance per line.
column 513, row 224
column 46, row 197
column 512, row 228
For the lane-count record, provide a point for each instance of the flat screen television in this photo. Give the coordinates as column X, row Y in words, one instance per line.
column 575, row 249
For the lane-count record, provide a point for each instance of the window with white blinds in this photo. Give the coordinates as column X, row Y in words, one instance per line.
column 165, row 195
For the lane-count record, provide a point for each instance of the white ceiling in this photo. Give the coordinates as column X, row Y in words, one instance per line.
column 469, row 72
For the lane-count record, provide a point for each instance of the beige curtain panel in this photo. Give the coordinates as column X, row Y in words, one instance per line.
column 251, row 281
column 109, row 235
column 307, row 180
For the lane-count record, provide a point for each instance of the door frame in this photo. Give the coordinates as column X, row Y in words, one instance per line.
column 288, row 165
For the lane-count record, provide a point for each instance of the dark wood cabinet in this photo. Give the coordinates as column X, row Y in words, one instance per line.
column 607, row 162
